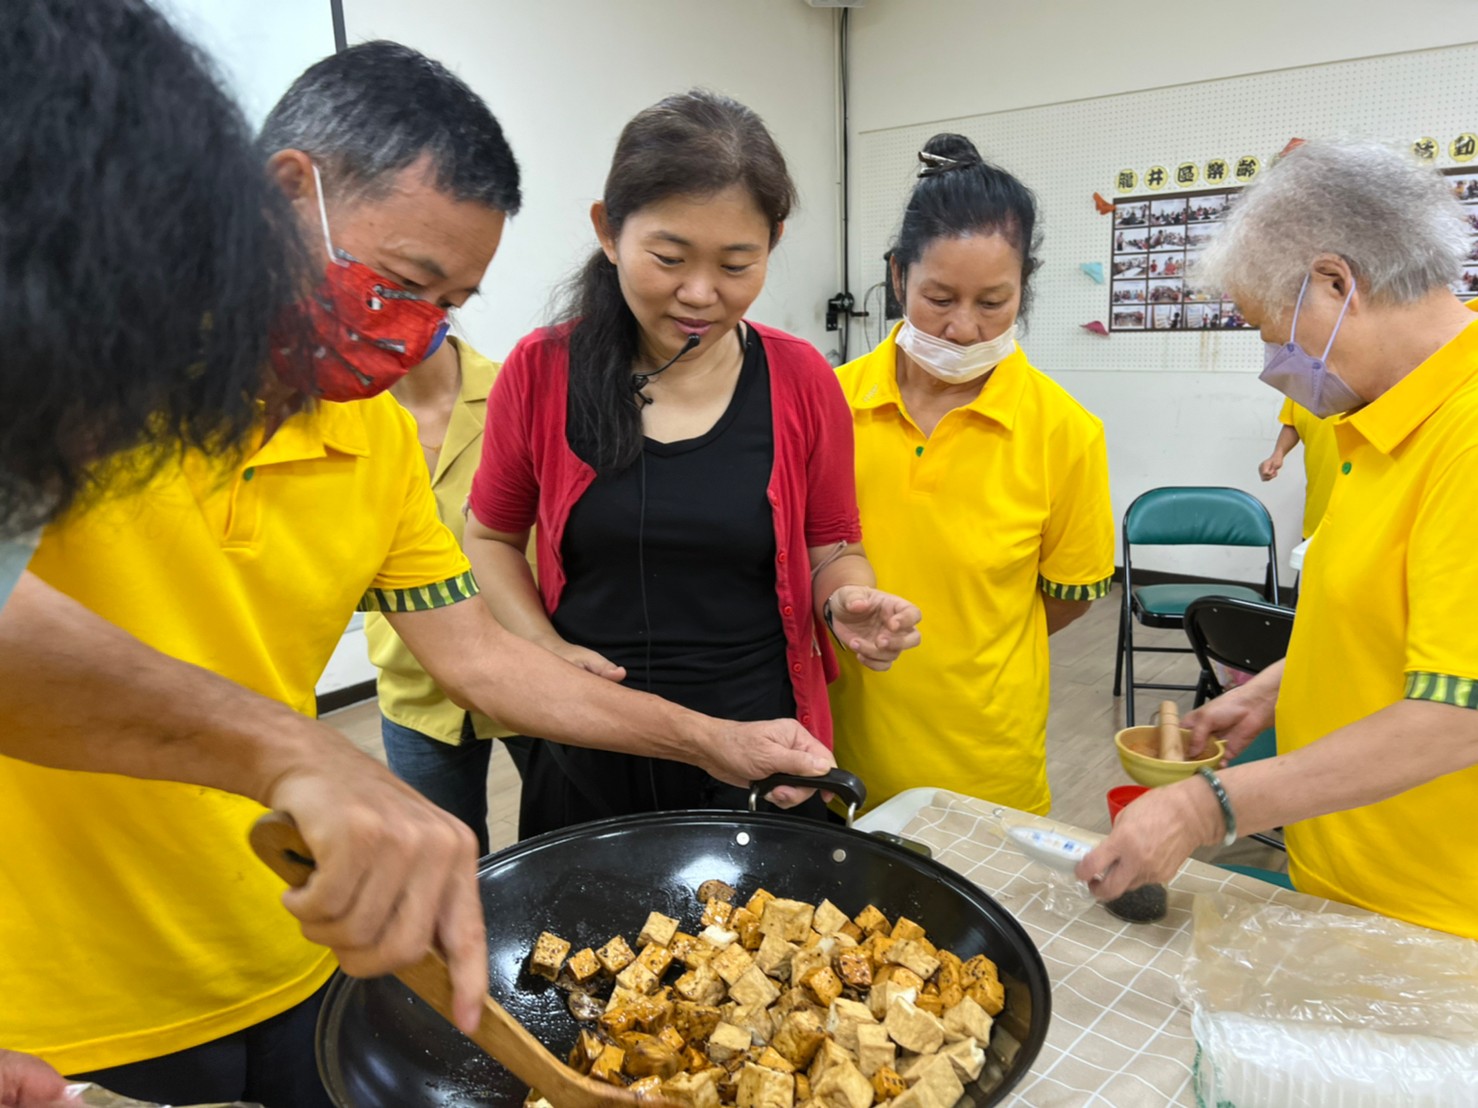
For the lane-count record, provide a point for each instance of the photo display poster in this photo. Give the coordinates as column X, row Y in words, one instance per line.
column 1157, row 239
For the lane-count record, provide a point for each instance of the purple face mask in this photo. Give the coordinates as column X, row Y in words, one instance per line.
column 1305, row 379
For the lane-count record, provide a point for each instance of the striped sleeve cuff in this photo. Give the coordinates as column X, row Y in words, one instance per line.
column 1096, row 591
column 421, row 599
column 1443, row 688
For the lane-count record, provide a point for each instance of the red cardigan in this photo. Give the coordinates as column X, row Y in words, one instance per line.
column 529, row 474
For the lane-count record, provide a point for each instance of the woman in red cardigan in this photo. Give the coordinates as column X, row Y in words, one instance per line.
column 690, row 472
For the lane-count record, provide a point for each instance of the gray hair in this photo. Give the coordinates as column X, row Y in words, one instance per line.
column 374, row 109
column 1392, row 219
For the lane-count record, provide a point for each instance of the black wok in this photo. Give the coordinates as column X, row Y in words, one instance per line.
column 378, row 1045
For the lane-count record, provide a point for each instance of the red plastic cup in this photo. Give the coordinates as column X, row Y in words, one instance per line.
column 1121, row 796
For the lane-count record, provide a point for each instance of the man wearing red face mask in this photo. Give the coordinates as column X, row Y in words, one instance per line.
column 156, row 960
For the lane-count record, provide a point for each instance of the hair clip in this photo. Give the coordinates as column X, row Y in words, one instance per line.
column 932, row 165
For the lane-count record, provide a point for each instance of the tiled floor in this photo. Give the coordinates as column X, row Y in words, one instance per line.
column 1081, row 760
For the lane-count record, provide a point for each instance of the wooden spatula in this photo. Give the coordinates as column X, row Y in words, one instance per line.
column 276, row 840
column 1172, row 742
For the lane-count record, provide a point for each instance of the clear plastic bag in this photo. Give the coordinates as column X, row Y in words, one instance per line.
column 1295, row 1009
column 94, row 1097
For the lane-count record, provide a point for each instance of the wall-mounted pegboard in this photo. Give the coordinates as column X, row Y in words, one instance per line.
column 1067, row 152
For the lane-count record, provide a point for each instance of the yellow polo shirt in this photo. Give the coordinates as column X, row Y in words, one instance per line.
column 1007, row 499
column 136, row 920
column 1386, row 611
column 1321, row 460
column 408, row 695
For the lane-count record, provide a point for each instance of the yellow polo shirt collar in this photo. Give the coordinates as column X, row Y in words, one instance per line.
column 1390, row 419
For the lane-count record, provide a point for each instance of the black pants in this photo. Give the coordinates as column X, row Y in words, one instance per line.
column 566, row 785
column 270, row 1063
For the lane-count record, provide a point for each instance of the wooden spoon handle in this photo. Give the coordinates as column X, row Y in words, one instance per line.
column 1172, row 743
column 277, row 842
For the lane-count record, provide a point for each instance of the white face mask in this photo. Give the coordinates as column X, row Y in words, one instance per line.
column 952, row 363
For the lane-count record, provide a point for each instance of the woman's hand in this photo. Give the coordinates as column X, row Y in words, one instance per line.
column 1236, row 718
column 876, row 626
column 589, row 661
column 28, row 1082
column 1152, row 838
column 1270, row 466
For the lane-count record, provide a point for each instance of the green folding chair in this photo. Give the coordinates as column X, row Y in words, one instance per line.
column 1184, row 516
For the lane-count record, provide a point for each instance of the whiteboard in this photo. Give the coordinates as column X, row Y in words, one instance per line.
column 1065, row 152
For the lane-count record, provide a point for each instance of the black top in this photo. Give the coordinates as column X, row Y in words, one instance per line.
column 693, row 521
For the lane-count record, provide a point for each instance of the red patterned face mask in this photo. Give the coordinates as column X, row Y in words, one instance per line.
column 365, row 331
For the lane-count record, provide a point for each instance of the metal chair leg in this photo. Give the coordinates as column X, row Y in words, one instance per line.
column 1129, row 669
column 1119, row 653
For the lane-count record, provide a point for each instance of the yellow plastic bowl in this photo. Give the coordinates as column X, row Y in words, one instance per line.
column 1148, row 770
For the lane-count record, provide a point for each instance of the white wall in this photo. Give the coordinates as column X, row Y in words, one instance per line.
column 564, row 77
column 917, row 60
column 260, row 46
column 1178, row 410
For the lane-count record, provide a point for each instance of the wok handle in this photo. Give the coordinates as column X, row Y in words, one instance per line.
column 848, row 786
column 277, row 842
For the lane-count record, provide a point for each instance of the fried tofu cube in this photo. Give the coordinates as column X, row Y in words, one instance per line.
column 876, row 946
column 913, row 1029
column 772, row 1059
column 880, row 996
column 951, row 978
column 638, row 979
column 911, row 955
column 828, row 918
column 671, row 1037
column 757, row 1019
column 655, row 958
column 978, row 969
column 693, row 1090
column 732, row 963
column 807, row 959
column 717, row 913
column 895, row 974
column 753, row 987
column 843, row 1019
column 854, row 969
column 650, row 1056
column 657, row 931
column 790, row 919
column 727, row 1042
column 694, row 1021
column 774, row 956
column 968, row 1059
column 906, row 928
column 812, row 938
column 746, row 925
column 823, row 984
column 852, row 931
column 607, row 1067
column 756, row 903
column 800, row 1037
column 843, row 1086
column 990, row 995
column 583, row 966
column 935, row 1084
column 647, row 1088
column 871, row 921
column 765, row 1088
column 875, row 1049
column 967, row 1020
column 794, row 1000
column 802, row 1088
column 615, row 956
column 548, row 956
column 931, row 1003
column 701, row 986
column 887, row 1083
column 831, row 1055
column 718, row 937
column 586, row 1050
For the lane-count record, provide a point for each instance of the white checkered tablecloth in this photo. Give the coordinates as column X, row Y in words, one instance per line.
column 1119, row 1033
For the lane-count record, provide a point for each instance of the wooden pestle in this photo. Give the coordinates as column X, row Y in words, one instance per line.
column 1172, row 743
